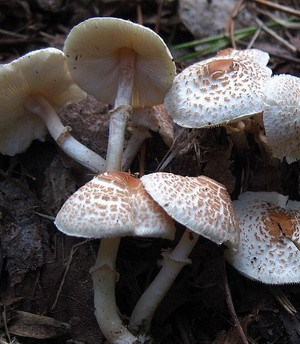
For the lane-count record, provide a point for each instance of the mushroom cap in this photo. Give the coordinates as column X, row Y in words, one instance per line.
column 268, row 250
column 282, row 116
column 93, row 56
column 113, row 204
column 217, row 91
column 199, row 203
column 42, row 72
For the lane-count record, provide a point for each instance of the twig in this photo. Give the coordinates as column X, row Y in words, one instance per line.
column 282, row 299
column 139, row 12
column 284, row 23
column 142, row 160
column 173, row 151
column 231, row 309
column 276, row 36
column 231, row 25
column 73, row 251
column 5, row 324
column 279, row 7
column 158, row 16
column 13, row 34
column 254, row 38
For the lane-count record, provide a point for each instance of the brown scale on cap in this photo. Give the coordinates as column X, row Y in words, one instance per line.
column 282, row 221
column 113, row 204
column 200, row 203
column 216, row 69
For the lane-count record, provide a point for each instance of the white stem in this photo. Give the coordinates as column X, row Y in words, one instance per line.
column 172, row 264
column 61, row 134
column 104, row 273
column 139, row 135
column 122, row 108
column 104, row 278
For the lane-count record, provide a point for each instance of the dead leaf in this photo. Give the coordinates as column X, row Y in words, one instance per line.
column 36, row 326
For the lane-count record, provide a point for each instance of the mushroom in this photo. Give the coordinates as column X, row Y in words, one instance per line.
column 123, row 64
column 221, row 90
column 268, row 250
column 112, row 205
column 281, row 118
column 32, row 89
column 154, row 118
column 204, row 207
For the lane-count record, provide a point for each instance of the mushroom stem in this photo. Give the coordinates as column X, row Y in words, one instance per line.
column 104, row 278
column 139, row 135
column 122, row 108
column 38, row 105
column 172, row 264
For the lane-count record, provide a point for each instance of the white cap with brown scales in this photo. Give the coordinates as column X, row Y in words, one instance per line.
column 269, row 245
column 113, row 204
column 93, row 49
column 282, row 116
column 199, row 203
column 219, row 90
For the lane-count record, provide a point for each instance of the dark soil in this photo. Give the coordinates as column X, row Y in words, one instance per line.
column 46, row 273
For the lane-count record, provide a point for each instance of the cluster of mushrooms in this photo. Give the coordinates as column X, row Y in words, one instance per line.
column 130, row 67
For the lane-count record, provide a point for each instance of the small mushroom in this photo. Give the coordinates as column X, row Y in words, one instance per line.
column 123, row 64
column 32, row 89
column 155, row 118
column 110, row 206
column 268, row 250
column 204, row 207
column 281, row 118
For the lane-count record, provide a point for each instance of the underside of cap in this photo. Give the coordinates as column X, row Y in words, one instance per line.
column 217, row 91
column 44, row 73
column 282, row 116
column 113, row 204
column 268, row 250
column 93, row 55
column 199, row 203
column 18, row 137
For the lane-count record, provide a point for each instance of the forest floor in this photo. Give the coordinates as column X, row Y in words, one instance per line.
column 45, row 274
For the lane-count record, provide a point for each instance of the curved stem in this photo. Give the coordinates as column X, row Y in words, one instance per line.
column 139, row 135
column 172, row 264
column 104, row 278
column 61, row 134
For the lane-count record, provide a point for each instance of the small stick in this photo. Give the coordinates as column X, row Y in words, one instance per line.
column 233, row 15
column 279, row 7
column 73, row 251
column 276, row 36
column 231, row 309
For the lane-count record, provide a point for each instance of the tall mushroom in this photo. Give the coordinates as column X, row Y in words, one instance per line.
column 268, row 250
column 112, row 205
column 32, row 89
column 120, row 63
column 123, row 64
column 204, row 207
